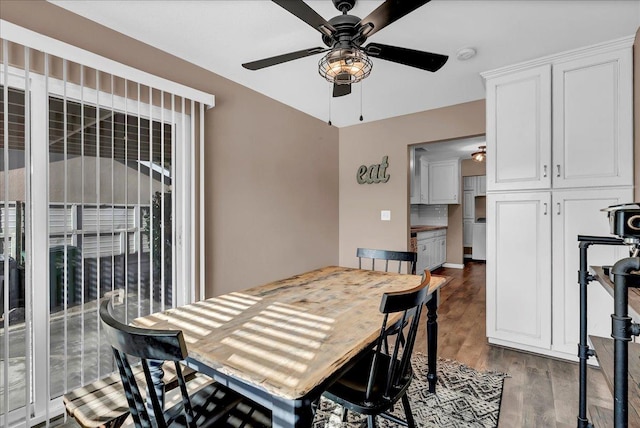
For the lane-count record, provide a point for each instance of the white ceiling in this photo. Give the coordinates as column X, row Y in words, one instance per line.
column 221, row 35
column 453, row 149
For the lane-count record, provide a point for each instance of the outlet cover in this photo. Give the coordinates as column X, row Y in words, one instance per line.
column 385, row 215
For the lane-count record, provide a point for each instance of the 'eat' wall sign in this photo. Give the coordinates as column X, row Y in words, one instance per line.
column 374, row 173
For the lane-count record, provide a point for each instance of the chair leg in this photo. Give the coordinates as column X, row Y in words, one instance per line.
column 344, row 414
column 371, row 421
column 407, row 411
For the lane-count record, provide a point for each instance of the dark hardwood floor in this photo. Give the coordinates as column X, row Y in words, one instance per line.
column 540, row 391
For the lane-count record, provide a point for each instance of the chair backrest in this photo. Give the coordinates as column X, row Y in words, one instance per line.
column 145, row 344
column 386, row 255
column 410, row 303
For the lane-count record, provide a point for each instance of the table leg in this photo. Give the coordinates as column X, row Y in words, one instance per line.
column 432, row 340
column 298, row 414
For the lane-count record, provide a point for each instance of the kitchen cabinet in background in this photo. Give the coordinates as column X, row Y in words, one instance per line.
column 444, row 182
column 419, row 179
column 432, row 250
column 469, row 204
column 467, row 232
column 481, row 185
column 468, row 183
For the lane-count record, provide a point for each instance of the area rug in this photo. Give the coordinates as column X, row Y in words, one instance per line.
column 464, row 398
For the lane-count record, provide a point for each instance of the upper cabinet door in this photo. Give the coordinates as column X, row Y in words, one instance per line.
column 592, row 121
column 519, row 130
column 444, row 182
column 481, row 185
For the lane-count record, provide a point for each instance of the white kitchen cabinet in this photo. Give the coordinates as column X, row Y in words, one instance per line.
column 468, row 204
column 467, row 232
column 469, row 183
column 481, row 185
column 444, row 182
column 519, row 129
column 424, row 181
column 518, row 268
column 468, row 215
column 543, row 189
column 577, row 212
column 592, row 120
column 432, row 249
column 419, row 180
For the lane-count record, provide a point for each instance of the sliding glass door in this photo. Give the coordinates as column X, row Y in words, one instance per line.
column 95, row 201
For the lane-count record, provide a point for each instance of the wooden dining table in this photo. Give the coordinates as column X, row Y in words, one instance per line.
column 281, row 344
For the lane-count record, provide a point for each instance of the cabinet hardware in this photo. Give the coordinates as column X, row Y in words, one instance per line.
column 558, row 167
column 545, row 208
column 558, row 203
column 544, row 171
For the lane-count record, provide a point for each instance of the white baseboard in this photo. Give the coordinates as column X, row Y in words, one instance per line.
column 453, row 265
column 540, row 351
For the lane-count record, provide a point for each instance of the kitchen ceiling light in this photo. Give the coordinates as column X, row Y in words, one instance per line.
column 345, row 66
column 480, row 155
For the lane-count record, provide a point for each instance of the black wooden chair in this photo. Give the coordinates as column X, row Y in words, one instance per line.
column 210, row 405
column 381, row 378
column 386, row 255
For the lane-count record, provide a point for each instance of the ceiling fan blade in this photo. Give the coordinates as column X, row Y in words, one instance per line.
column 413, row 58
column 341, row 90
column 307, row 14
column 388, row 12
column 279, row 59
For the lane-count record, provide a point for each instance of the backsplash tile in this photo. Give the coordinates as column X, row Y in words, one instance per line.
column 430, row 215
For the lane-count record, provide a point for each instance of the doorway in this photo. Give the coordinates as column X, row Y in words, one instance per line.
column 458, row 214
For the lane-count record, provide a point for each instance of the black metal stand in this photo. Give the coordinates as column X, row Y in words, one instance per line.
column 584, row 352
column 621, row 330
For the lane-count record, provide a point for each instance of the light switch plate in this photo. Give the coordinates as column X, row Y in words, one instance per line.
column 385, row 215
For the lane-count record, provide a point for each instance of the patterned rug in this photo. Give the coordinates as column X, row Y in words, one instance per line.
column 464, row 398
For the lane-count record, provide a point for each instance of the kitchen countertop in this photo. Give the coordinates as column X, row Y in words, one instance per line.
column 418, row 229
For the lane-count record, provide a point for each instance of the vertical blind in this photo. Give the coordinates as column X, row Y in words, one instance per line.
column 98, row 195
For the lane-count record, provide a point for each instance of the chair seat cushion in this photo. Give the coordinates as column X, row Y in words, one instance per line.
column 350, row 390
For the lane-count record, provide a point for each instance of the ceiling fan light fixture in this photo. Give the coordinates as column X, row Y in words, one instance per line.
column 345, row 66
column 480, row 155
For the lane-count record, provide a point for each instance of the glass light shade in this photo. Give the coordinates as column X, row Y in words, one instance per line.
column 345, row 66
column 480, row 155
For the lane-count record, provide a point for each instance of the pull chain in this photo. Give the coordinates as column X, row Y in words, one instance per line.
column 361, row 89
column 330, row 96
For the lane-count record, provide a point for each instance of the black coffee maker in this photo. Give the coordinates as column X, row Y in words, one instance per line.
column 624, row 222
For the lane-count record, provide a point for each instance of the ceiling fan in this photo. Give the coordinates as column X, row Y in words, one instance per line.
column 347, row 61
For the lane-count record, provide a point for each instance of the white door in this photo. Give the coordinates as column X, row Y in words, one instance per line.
column 467, row 232
column 519, row 268
column 519, row 130
column 577, row 212
column 93, row 194
column 444, row 182
column 592, row 121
